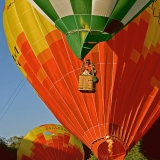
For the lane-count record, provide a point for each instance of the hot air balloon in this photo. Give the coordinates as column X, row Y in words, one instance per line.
column 126, row 100
column 87, row 22
column 48, row 142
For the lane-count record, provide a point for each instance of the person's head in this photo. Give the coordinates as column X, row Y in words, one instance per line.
column 88, row 61
column 107, row 137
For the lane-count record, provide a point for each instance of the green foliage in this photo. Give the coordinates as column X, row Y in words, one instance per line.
column 92, row 157
column 14, row 142
column 3, row 143
column 135, row 153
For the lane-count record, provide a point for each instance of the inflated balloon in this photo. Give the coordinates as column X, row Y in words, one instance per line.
column 126, row 99
column 87, row 22
column 50, row 142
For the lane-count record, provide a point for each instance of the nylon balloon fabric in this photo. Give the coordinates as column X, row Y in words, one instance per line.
column 126, row 100
column 87, row 22
column 48, row 142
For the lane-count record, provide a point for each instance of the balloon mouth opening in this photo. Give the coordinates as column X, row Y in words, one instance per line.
column 82, row 41
column 111, row 148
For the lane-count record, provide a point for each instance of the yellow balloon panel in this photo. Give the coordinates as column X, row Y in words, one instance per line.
column 13, row 47
column 29, row 20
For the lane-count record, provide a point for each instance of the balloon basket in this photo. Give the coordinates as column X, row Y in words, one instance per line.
column 86, row 83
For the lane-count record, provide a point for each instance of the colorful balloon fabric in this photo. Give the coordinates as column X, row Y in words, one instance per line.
column 50, row 142
column 87, row 22
column 126, row 100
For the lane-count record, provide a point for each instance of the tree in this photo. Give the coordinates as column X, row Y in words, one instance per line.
column 14, row 142
column 7, row 153
column 135, row 153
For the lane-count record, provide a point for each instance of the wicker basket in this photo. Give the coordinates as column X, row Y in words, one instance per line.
column 86, row 83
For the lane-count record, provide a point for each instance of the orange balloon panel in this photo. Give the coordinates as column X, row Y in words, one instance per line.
column 48, row 142
column 126, row 101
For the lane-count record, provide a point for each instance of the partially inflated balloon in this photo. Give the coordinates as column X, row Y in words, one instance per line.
column 87, row 22
column 50, row 142
column 126, row 99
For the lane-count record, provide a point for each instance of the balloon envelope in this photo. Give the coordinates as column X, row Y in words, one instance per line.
column 127, row 97
column 87, row 22
column 48, row 142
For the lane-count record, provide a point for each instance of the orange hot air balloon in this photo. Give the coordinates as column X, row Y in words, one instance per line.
column 48, row 142
column 126, row 100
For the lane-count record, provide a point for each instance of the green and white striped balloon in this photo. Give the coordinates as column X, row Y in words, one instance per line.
column 87, row 22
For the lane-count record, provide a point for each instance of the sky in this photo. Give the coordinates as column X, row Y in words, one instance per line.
column 21, row 109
